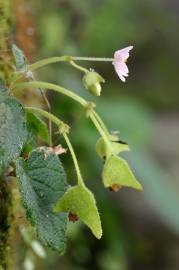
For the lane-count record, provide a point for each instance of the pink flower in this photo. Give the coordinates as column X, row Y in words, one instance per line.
column 120, row 58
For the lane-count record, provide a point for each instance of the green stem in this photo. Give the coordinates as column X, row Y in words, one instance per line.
column 50, row 86
column 46, row 114
column 78, row 67
column 49, row 110
column 79, row 177
column 59, row 124
column 81, row 58
column 101, row 131
column 101, row 122
column 66, row 58
column 48, row 61
column 64, row 91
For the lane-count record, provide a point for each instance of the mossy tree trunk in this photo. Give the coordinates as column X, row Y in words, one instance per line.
column 15, row 25
column 5, row 191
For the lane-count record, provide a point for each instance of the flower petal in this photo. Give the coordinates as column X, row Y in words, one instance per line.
column 119, row 62
column 123, row 54
column 123, row 79
column 121, row 69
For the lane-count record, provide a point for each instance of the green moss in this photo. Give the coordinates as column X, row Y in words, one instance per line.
column 5, row 19
column 4, row 22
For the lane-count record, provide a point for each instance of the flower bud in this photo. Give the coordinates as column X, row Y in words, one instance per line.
column 91, row 81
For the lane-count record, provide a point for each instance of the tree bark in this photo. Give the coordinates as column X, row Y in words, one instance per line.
column 5, row 191
column 14, row 18
column 5, row 221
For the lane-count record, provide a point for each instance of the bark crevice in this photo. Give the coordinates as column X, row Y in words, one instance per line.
column 5, row 220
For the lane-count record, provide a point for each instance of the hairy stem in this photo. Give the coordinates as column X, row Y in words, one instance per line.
column 59, row 124
column 99, row 125
column 101, row 131
column 78, row 66
column 79, row 177
column 69, row 59
column 49, row 110
column 46, row 114
column 100, row 121
column 50, row 86
column 99, row 59
column 48, row 61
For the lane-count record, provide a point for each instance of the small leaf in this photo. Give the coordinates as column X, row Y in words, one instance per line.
column 12, row 128
column 36, row 128
column 116, row 171
column 19, row 58
column 42, row 181
column 79, row 200
column 103, row 150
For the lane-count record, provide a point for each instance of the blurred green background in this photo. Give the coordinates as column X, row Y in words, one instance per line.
column 141, row 229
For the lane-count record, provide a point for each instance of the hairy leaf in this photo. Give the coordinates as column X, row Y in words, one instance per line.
column 42, row 182
column 19, row 58
column 80, row 201
column 12, row 127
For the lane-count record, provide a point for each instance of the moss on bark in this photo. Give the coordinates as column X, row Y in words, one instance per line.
column 5, row 191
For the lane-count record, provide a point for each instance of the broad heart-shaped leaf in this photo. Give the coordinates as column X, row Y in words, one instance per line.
column 80, row 201
column 42, row 181
column 12, row 128
column 117, row 146
column 19, row 58
column 116, row 171
column 36, row 128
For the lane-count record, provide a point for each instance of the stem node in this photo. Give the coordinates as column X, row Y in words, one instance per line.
column 64, row 129
column 89, row 108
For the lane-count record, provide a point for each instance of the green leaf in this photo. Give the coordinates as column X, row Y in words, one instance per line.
column 103, row 150
column 80, row 201
column 36, row 128
column 12, row 128
column 19, row 58
column 116, row 171
column 42, row 181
